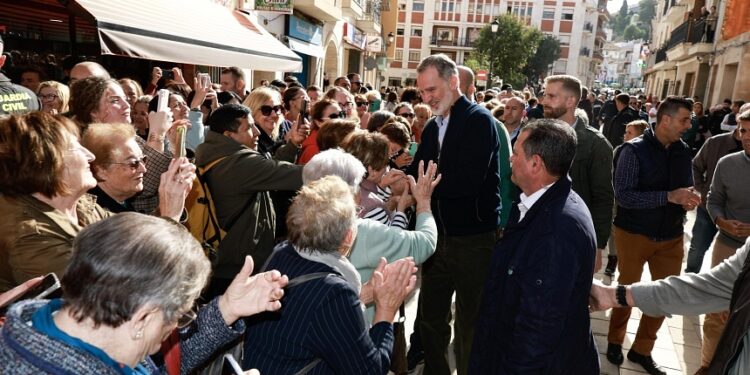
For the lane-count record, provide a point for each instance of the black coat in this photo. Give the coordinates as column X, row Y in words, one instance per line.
column 614, row 129
column 534, row 317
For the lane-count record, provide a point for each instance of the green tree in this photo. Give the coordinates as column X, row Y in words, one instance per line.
column 546, row 53
column 508, row 50
column 646, row 13
column 633, row 32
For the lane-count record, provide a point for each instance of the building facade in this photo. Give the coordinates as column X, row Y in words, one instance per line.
column 699, row 54
column 423, row 28
column 622, row 66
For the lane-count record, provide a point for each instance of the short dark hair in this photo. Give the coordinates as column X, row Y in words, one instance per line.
column 279, row 84
column 410, row 94
column 739, row 103
column 227, row 118
column 554, row 141
column 623, row 99
column 289, row 95
column 225, row 97
column 314, row 88
column 569, row 83
column 378, row 119
column 532, row 101
column 316, row 113
column 670, row 106
column 236, row 72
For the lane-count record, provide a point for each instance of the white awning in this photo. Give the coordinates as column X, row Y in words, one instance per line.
column 196, row 32
column 306, row 48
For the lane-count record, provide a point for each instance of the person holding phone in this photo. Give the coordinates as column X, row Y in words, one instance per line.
column 150, row 285
column 45, row 196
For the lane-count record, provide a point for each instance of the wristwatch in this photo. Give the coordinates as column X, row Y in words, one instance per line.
column 620, row 294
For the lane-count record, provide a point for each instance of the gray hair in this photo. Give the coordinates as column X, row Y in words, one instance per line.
column 445, row 67
column 132, row 260
column 554, row 141
column 334, row 162
column 321, row 215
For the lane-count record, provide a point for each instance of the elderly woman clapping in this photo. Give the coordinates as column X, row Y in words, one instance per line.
column 133, row 279
column 322, row 324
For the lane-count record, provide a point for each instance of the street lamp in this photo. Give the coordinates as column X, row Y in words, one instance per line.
column 494, row 26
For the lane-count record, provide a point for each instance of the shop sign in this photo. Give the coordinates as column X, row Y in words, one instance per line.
column 281, row 6
column 305, row 31
column 354, row 36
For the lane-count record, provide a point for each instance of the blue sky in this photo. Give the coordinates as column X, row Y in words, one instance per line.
column 614, row 5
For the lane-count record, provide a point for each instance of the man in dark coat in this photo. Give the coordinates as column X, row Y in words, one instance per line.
column 534, row 313
column 614, row 129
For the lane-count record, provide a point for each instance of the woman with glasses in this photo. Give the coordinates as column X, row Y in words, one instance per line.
column 265, row 105
column 324, row 110
column 345, row 99
column 44, row 198
column 406, row 111
column 54, row 96
column 132, row 281
column 360, row 101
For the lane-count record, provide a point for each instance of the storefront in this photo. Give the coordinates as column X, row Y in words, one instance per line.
column 356, row 41
column 305, row 38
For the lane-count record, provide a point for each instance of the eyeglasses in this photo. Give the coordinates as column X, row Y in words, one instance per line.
column 48, row 96
column 407, row 115
column 267, row 109
column 361, row 104
column 133, row 163
column 186, row 318
column 346, row 105
column 334, row 116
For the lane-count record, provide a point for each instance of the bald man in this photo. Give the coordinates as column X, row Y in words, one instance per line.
column 512, row 116
column 87, row 69
column 466, row 82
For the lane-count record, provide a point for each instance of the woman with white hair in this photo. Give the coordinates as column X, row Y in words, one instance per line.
column 321, row 328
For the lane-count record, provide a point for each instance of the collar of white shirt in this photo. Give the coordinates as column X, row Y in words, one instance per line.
column 528, row 201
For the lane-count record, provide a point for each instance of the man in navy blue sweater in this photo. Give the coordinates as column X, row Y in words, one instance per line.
column 462, row 140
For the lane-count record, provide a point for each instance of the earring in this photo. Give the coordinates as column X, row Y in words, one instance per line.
column 139, row 334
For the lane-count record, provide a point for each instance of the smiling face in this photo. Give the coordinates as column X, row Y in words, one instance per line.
column 436, row 91
column 178, row 106
column 77, row 175
column 113, row 106
column 123, row 178
column 247, row 134
column 268, row 122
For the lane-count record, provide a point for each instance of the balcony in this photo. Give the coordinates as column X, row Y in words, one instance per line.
column 588, row 27
column 598, row 56
column 661, row 55
column 370, row 21
column 353, row 8
column 600, row 34
column 688, row 39
column 585, row 51
column 324, row 10
column 455, row 42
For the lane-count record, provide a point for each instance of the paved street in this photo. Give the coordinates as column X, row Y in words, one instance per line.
column 679, row 339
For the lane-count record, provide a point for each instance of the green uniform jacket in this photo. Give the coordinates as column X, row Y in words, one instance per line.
column 591, row 174
column 245, row 175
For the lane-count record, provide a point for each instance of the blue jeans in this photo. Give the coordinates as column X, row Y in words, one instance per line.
column 704, row 231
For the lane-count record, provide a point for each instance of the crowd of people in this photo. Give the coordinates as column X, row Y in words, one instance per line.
column 328, row 200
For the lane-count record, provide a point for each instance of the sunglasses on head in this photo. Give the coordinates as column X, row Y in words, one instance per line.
column 408, row 115
column 361, row 104
column 267, row 109
column 334, row 116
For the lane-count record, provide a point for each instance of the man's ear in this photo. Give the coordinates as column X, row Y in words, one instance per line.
column 454, row 82
column 537, row 164
column 2, row 60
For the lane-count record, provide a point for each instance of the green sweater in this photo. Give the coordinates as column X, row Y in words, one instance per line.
column 376, row 240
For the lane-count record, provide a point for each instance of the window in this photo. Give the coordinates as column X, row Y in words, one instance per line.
column 564, row 39
column 399, row 55
column 400, row 31
column 402, row 7
column 415, row 55
column 567, row 15
column 417, row 7
column 446, row 6
column 416, row 31
column 548, row 14
column 480, row 8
